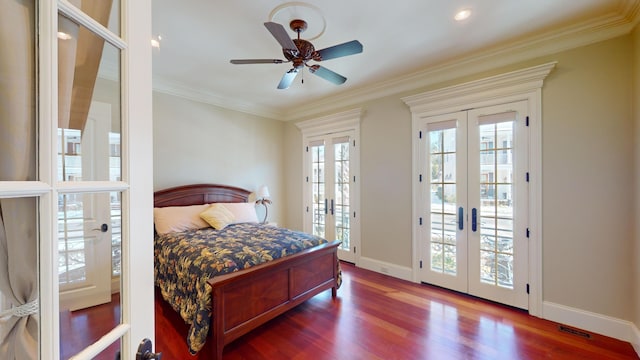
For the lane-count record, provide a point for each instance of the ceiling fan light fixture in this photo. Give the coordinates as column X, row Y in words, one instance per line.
column 462, row 15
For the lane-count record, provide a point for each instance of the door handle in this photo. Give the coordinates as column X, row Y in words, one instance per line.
column 102, row 228
column 145, row 351
column 460, row 218
column 326, row 207
column 331, row 206
column 474, row 219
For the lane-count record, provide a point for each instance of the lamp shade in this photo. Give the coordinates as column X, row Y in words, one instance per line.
column 263, row 192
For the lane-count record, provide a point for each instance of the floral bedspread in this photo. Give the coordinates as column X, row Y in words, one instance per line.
column 184, row 262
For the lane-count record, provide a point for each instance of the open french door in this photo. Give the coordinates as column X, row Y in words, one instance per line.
column 97, row 221
column 475, row 202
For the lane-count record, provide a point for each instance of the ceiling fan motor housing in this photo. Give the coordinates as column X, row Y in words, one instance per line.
column 304, row 52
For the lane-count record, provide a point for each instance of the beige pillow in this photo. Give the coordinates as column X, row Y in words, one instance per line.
column 179, row 218
column 217, row 216
column 242, row 212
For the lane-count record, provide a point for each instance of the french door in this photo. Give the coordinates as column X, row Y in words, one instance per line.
column 329, row 193
column 67, row 235
column 474, row 202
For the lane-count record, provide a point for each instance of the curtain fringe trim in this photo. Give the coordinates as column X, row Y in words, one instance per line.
column 23, row 310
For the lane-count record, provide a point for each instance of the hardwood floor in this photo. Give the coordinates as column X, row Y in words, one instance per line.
column 379, row 317
column 80, row 328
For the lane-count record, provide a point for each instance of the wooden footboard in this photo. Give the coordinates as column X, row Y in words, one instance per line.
column 247, row 299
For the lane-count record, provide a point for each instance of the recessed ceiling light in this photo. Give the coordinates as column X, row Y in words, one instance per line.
column 155, row 42
column 463, row 14
column 63, row 36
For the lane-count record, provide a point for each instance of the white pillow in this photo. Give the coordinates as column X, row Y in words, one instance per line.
column 179, row 218
column 242, row 212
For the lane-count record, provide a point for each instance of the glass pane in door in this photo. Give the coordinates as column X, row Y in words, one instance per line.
column 89, row 110
column 115, row 205
column 318, row 190
column 106, row 12
column 89, row 226
column 341, row 191
column 442, row 169
column 496, row 203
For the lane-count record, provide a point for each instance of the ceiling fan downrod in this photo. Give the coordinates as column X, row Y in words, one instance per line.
column 298, row 26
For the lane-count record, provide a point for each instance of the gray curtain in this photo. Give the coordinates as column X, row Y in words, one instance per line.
column 18, row 216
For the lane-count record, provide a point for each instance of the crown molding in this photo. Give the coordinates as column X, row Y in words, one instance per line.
column 200, row 95
column 581, row 34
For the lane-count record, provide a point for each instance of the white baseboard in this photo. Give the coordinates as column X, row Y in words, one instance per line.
column 400, row 272
column 636, row 340
column 593, row 322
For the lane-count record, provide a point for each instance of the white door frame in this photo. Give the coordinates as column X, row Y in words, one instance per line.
column 137, row 185
column 464, row 175
column 514, row 86
column 347, row 121
column 330, row 189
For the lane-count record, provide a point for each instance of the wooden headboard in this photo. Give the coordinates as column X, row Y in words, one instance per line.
column 198, row 194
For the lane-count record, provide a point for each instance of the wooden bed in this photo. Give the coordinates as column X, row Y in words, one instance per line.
column 243, row 300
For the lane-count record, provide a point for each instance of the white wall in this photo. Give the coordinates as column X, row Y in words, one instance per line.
column 588, row 211
column 385, row 180
column 195, row 142
column 294, row 209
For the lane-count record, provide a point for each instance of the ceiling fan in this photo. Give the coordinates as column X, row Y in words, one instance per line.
column 299, row 52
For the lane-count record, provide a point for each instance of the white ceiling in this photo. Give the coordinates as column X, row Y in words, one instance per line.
column 400, row 38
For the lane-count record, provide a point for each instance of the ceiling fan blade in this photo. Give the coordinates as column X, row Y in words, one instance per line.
column 327, row 74
column 257, row 61
column 288, row 78
column 281, row 35
column 348, row 48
